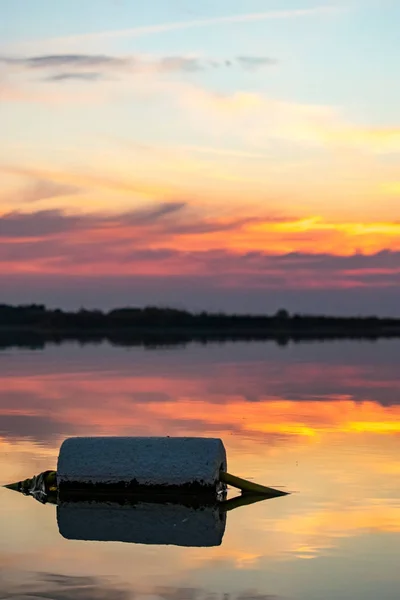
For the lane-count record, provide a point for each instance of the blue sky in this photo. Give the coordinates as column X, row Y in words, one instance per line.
column 357, row 45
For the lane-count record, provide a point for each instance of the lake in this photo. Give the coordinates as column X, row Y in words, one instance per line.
column 319, row 420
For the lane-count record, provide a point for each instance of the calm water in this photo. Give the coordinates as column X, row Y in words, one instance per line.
column 319, row 420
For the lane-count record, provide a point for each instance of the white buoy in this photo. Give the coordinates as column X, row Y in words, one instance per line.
column 142, row 523
column 135, row 463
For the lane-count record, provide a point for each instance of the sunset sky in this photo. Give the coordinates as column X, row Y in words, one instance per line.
column 240, row 155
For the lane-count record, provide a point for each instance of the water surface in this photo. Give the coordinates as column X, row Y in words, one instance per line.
column 319, row 420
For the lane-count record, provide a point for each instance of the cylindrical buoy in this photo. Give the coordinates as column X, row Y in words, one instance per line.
column 142, row 523
column 141, row 463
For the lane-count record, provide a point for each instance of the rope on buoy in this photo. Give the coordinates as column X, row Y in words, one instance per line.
column 248, row 487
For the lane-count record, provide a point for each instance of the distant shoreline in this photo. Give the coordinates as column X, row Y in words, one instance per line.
column 35, row 325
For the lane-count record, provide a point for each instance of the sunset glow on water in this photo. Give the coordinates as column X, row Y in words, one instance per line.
column 319, row 420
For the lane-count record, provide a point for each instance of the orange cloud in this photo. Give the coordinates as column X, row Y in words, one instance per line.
column 171, row 239
column 180, row 227
column 257, row 117
column 368, row 138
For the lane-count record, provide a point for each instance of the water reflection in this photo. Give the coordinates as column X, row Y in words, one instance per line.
column 143, row 523
column 166, row 517
column 60, row 587
column 322, row 420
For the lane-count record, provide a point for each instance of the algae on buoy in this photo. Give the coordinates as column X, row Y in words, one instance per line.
column 42, row 487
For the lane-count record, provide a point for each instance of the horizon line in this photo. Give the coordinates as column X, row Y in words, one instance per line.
column 281, row 312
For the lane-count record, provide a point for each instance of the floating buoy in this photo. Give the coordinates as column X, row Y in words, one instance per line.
column 144, row 490
column 158, row 464
column 141, row 463
column 132, row 465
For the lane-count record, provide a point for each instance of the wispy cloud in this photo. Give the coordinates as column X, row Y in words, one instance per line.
column 45, row 189
column 38, row 190
column 92, row 67
column 157, row 221
column 96, row 181
column 255, row 62
column 178, row 63
column 65, row 60
column 18, row 224
column 150, row 215
column 259, row 117
column 85, row 76
column 195, row 23
column 38, row 224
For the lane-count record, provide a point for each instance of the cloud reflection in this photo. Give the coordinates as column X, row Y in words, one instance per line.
column 320, row 420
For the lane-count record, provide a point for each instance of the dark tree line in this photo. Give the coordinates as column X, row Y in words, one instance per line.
column 38, row 317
